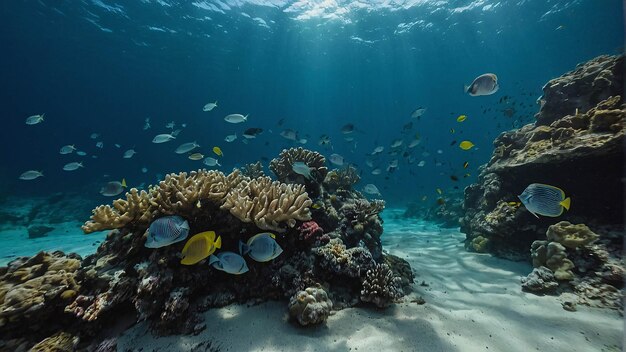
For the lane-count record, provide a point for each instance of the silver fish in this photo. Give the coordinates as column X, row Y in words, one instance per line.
column 230, row 138
column 166, row 231
column 112, row 189
column 371, row 189
column 485, row 84
column 417, row 113
column 129, row 153
column 162, row 138
column 72, row 166
column 209, row 106
column 336, row 159
column 208, row 161
column 229, row 262
column 35, row 119
column 236, row 118
column 301, row 168
column 30, row 175
column 186, row 147
column 67, row 149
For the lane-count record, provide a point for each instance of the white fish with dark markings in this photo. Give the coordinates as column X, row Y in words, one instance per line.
column 485, row 84
column 228, row 262
column 166, row 230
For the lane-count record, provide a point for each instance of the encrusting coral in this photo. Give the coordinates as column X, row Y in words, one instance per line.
column 310, row 306
column 571, row 236
column 553, row 256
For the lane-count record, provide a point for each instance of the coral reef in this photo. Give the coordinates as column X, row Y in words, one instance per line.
column 310, row 306
column 575, row 143
column 381, row 286
column 59, row 342
column 446, row 210
column 331, row 243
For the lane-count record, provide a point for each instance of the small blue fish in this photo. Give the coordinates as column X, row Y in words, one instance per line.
column 261, row 247
column 544, row 200
column 229, row 262
column 167, row 230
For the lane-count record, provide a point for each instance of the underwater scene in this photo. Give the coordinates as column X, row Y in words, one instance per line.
column 312, row 175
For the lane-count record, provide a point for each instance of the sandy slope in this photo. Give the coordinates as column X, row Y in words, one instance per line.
column 473, row 303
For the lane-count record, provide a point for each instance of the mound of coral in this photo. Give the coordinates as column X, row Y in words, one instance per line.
column 575, row 144
column 332, row 256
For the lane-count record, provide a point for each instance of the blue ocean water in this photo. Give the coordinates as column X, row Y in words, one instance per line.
column 103, row 66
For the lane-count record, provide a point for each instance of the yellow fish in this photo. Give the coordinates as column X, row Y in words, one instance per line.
column 466, row 145
column 316, row 206
column 452, row 130
column 467, row 175
column 465, row 165
column 199, row 247
column 461, row 118
column 514, row 204
column 124, row 183
column 439, row 190
column 218, row 151
column 196, row 156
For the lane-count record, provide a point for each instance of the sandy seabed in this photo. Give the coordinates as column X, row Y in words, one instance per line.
column 474, row 302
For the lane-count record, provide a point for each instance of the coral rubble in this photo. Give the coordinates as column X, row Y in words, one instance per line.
column 310, row 306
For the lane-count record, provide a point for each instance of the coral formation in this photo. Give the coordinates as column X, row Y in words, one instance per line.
column 381, row 286
column 571, row 236
column 253, row 170
column 268, row 203
column 540, row 280
column 59, row 342
column 343, row 178
column 576, row 142
column 331, row 245
column 282, row 167
column 310, row 306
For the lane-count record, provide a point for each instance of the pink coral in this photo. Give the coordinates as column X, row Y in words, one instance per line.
column 309, row 230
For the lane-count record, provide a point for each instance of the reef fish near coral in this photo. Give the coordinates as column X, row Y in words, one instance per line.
column 229, row 262
column 301, row 168
column 200, row 246
column 486, row 84
column 113, row 188
column 261, row 247
column 167, row 230
column 544, row 200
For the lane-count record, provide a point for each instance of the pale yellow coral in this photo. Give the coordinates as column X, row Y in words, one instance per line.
column 268, row 204
column 135, row 208
column 570, row 235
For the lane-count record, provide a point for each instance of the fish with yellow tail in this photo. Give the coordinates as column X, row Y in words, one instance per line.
column 200, row 246
column 545, row 200
column 261, row 247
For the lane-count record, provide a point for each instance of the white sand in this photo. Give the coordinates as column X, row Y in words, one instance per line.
column 473, row 303
column 67, row 237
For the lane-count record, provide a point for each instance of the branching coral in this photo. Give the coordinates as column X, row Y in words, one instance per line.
column 282, row 167
column 343, row 178
column 268, row 204
column 135, row 208
column 311, row 306
column 381, row 287
column 571, row 236
column 253, row 170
